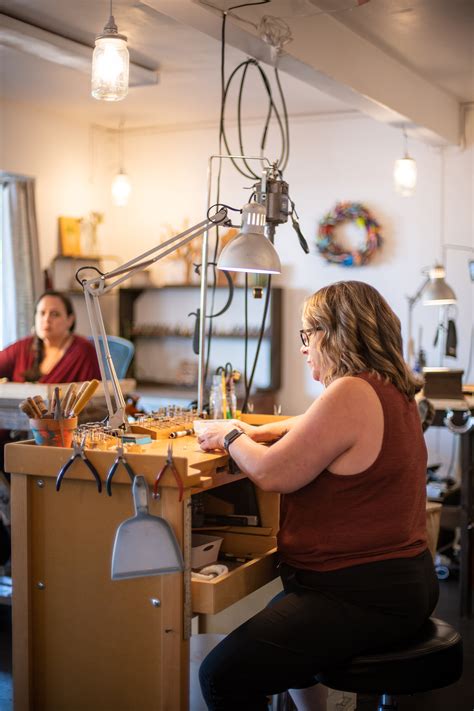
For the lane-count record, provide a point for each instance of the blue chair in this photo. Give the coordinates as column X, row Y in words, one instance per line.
column 121, row 351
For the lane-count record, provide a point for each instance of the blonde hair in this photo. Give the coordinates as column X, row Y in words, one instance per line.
column 360, row 332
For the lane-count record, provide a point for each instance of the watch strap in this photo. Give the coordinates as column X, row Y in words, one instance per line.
column 231, row 437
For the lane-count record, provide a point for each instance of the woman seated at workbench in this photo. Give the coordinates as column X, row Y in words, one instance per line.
column 354, row 562
column 53, row 354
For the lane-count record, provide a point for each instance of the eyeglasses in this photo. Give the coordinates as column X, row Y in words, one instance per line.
column 305, row 333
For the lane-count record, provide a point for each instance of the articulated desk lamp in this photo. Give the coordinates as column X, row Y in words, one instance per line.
column 435, row 292
column 250, row 251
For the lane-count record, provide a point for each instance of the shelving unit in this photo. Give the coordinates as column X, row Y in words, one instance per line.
column 169, row 308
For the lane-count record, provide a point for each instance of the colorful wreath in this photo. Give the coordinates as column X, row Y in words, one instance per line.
column 348, row 212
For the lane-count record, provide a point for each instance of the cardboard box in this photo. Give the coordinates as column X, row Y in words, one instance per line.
column 205, row 549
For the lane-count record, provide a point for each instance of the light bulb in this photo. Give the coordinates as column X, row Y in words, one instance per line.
column 404, row 176
column 121, row 189
column 110, row 65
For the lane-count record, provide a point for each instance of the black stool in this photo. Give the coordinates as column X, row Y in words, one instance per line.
column 432, row 660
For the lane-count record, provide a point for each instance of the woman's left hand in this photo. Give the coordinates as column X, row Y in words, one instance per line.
column 213, row 436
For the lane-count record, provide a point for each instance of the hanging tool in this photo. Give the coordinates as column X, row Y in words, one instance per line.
column 144, row 544
column 169, row 464
column 78, row 453
column 120, row 459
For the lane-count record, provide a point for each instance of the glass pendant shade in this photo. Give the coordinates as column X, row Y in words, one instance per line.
column 121, row 189
column 437, row 292
column 110, row 65
column 251, row 251
column 404, row 176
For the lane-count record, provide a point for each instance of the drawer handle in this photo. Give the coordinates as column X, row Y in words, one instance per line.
column 209, row 547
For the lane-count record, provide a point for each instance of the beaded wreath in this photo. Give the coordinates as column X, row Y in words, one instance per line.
column 348, row 212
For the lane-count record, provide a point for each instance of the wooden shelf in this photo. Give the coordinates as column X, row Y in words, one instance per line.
column 272, row 335
column 190, row 335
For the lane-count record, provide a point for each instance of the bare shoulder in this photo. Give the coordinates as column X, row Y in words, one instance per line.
column 348, row 397
column 351, row 385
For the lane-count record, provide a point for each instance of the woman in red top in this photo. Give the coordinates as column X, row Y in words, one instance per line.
column 354, row 562
column 54, row 354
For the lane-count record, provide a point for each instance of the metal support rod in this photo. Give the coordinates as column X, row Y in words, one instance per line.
column 412, row 300
column 203, row 294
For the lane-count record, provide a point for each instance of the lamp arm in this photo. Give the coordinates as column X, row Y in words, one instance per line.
column 460, row 247
column 103, row 283
column 116, row 415
column 95, row 287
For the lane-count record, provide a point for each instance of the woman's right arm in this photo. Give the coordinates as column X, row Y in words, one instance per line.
column 269, row 432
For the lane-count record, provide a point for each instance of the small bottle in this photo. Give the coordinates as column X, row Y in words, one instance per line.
column 232, row 399
column 215, row 398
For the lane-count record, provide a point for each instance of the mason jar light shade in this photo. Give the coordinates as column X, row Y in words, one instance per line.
column 404, row 176
column 251, row 251
column 110, row 67
column 121, row 189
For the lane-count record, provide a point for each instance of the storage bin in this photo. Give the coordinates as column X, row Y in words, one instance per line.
column 205, row 549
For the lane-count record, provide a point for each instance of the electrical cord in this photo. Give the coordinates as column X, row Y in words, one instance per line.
column 247, row 172
column 259, row 343
column 272, row 109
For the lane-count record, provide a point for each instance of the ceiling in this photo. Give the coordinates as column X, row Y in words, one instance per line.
column 428, row 41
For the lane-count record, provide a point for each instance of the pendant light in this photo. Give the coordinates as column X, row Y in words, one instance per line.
column 404, row 173
column 110, row 64
column 121, row 184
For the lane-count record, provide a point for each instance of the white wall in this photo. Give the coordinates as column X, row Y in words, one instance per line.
column 65, row 158
column 331, row 159
column 346, row 159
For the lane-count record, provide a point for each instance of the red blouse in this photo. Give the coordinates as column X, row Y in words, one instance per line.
column 78, row 363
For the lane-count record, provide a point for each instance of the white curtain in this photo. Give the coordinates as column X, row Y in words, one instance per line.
column 21, row 271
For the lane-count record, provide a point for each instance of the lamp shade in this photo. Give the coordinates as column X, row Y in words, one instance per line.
column 251, row 251
column 404, row 176
column 121, row 189
column 110, row 65
column 437, row 292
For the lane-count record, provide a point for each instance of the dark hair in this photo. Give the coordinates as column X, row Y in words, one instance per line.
column 33, row 374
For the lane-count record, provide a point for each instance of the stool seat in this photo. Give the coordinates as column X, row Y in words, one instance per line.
column 431, row 660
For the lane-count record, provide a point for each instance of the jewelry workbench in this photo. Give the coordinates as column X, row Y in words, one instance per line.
column 84, row 641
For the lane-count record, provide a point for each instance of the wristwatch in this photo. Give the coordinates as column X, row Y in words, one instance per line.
column 230, row 437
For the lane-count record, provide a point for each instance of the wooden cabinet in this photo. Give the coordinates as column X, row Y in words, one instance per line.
column 82, row 641
column 160, row 322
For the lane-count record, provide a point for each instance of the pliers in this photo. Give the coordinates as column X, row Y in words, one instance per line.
column 78, row 453
column 169, row 464
column 119, row 460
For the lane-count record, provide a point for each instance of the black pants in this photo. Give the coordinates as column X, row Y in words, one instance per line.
column 321, row 620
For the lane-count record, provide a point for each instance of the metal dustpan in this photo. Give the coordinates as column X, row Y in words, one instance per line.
column 144, row 544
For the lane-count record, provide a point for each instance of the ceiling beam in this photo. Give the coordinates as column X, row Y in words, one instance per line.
column 60, row 50
column 327, row 55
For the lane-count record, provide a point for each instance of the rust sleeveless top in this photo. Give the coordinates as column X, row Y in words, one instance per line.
column 337, row 521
